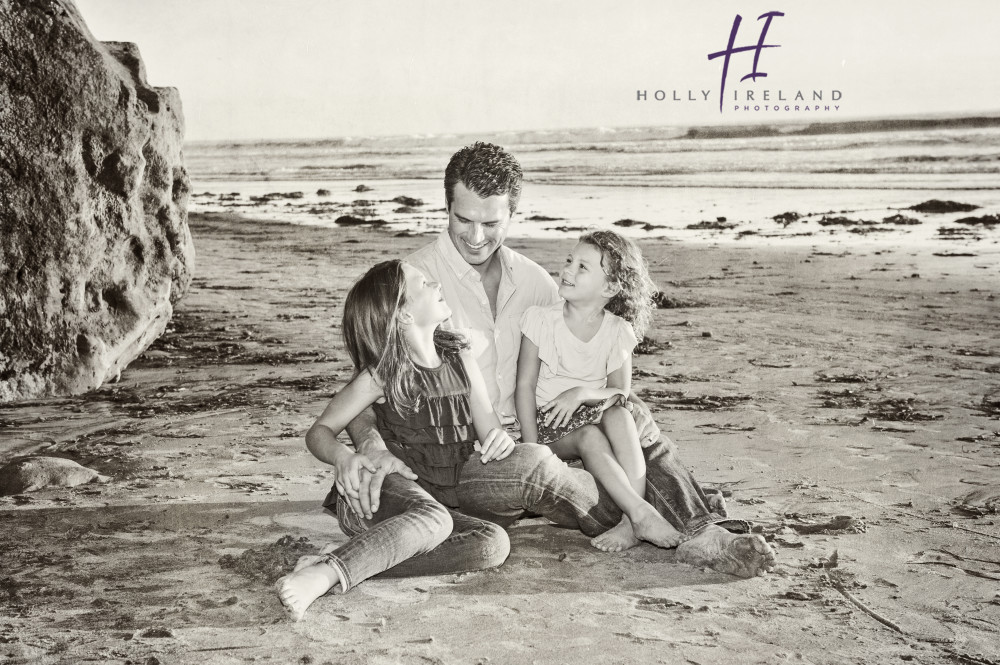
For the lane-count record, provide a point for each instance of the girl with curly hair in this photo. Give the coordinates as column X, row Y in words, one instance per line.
column 574, row 373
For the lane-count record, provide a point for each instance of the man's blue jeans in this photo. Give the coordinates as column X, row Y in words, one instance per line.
column 413, row 534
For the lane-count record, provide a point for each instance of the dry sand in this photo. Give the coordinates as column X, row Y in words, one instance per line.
column 806, row 385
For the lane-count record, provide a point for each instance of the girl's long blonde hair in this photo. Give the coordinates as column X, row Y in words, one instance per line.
column 624, row 265
column 372, row 335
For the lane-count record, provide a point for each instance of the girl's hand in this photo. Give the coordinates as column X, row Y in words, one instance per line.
column 497, row 446
column 560, row 410
column 360, row 478
column 348, row 479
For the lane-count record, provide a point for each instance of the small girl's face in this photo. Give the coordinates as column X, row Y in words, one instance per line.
column 423, row 299
column 582, row 277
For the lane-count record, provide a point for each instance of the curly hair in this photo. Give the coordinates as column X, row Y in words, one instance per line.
column 487, row 170
column 373, row 338
column 624, row 265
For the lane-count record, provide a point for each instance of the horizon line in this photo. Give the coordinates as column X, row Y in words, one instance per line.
column 940, row 115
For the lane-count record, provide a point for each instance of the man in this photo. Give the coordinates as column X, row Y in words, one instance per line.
column 488, row 287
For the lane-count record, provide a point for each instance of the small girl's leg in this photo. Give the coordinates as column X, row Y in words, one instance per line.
column 641, row 520
column 618, row 426
column 409, row 522
column 645, row 522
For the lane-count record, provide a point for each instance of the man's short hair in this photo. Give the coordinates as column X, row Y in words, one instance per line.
column 487, row 170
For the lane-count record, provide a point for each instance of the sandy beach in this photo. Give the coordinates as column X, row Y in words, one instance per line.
column 847, row 401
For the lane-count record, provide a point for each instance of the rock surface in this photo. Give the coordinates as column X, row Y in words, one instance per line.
column 94, row 243
column 35, row 473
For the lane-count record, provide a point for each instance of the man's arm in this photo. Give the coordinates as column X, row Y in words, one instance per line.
column 364, row 434
column 494, row 442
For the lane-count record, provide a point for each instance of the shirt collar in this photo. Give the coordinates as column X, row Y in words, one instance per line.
column 459, row 265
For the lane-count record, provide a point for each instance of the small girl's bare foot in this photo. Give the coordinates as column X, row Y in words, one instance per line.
column 649, row 525
column 616, row 539
column 743, row 555
column 298, row 590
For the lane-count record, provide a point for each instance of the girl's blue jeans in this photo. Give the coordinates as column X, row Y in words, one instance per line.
column 413, row 534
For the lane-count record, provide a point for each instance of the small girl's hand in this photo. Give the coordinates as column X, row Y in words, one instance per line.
column 497, row 446
column 561, row 409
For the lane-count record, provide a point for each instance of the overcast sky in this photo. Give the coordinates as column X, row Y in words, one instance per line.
column 327, row 68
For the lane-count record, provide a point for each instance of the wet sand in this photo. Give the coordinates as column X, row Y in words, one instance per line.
column 807, row 384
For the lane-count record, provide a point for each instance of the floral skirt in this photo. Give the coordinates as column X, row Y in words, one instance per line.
column 585, row 415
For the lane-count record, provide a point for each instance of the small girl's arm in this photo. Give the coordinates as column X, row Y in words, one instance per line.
column 494, row 442
column 528, row 364
column 620, row 380
column 559, row 410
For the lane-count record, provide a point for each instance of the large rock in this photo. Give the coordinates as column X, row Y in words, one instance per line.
column 94, row 242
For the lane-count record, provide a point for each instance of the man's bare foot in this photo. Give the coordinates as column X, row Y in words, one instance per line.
column 618, row 538
column 298, row 590
column 649, row 525
column 743, row 555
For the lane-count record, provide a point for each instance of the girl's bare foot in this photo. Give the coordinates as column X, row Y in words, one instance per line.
column 647, row 524
column 651, row 526
column 298, row 590
column 618, row 538
column 744, row 555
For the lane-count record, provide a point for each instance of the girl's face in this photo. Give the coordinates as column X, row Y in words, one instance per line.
column 423, row 300
column 582, row 277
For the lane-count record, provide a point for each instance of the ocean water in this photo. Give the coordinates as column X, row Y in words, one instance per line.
column 683, row 184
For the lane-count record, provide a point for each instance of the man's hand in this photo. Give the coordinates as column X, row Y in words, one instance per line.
column 361, row 481
column 497, row 446
column 560, row 410
column 649, row 431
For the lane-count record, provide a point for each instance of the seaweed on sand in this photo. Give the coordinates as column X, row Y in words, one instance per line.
column 938, row 206
column 901, row 220
column 843, row 399
column 663, row 301
column 827, row 220
column 270, row 562
column 854, row 377
column 675, row 399
column 712, row 226
column 787, row 218
column 990, row 404
column 899, row 409
column 648, row 346
column 987, row 221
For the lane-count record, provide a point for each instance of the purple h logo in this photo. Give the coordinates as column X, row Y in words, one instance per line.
column 756, row 48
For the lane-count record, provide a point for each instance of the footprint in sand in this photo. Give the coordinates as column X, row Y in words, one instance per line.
column 400, row 592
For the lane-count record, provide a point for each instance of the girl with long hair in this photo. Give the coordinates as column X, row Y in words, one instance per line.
column 433, row 411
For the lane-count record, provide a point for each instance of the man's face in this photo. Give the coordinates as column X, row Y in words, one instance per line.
column 477, row 226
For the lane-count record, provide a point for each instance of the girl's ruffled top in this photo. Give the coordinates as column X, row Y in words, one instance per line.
column 437, row 440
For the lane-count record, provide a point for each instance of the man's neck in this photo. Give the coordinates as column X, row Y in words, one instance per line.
column 490, row 272
column 490, row 266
